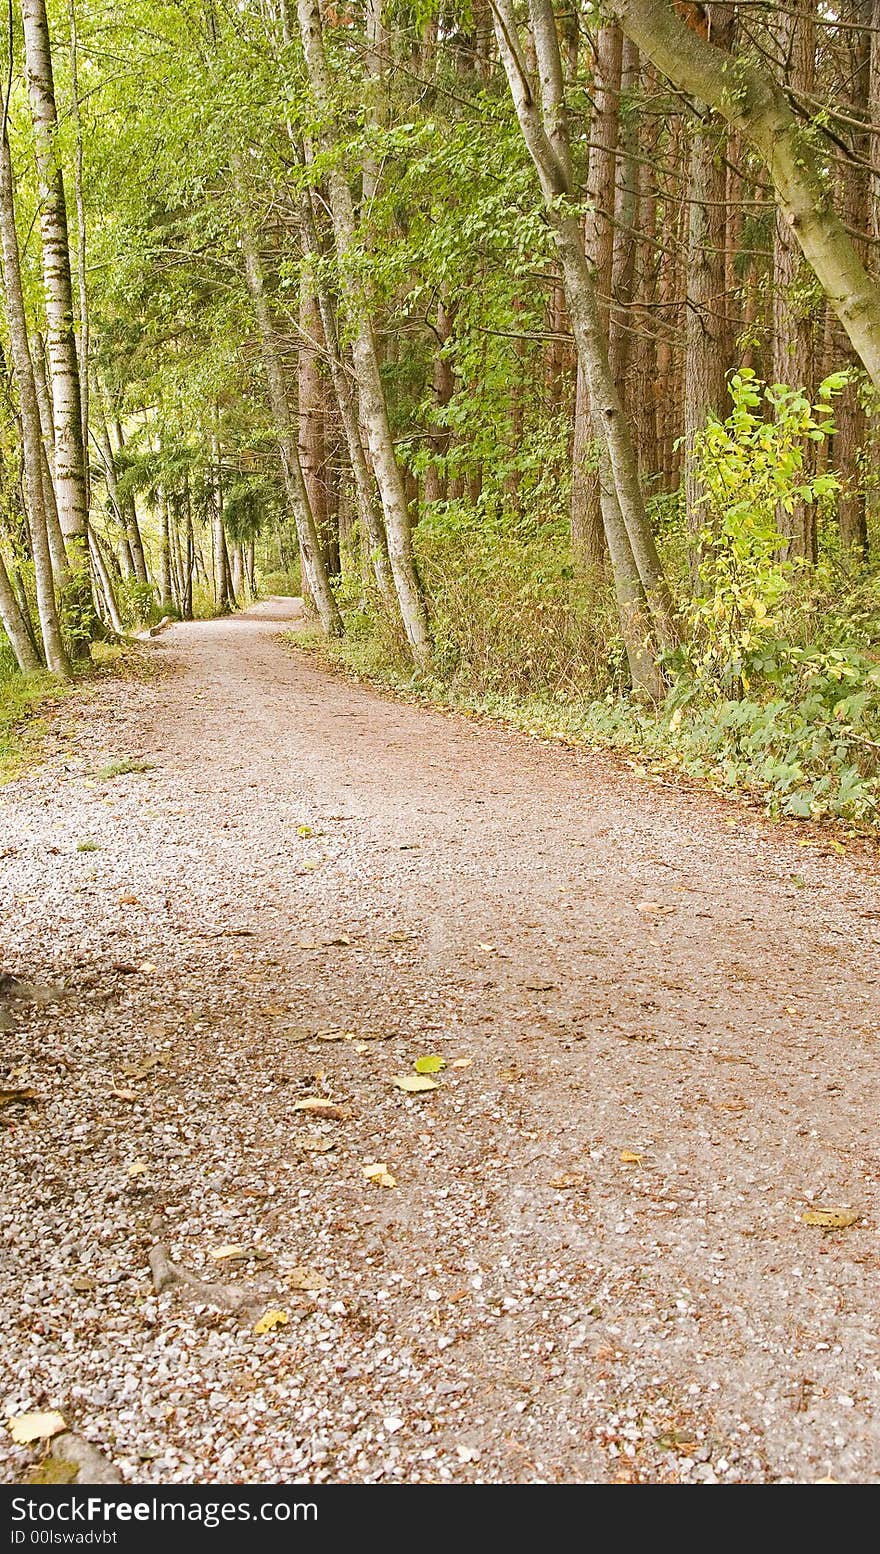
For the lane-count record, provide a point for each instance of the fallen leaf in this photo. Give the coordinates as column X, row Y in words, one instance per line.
column 270, row 1319
column 228, row 1253
column 137, row 1168
column 568, row 1179
column 510, row 1074
column 461, row 1063
column 144, row 1067
column 377, row 1171
column 830, row 1219
column 399, row 938
column 433, row 1064
column 304, row 831
column 303, row 1278
column 414, row 1084
column 129, row 901
column 652, row 908
column 320, row 1108
column 124, row 1095
column 627, row 1157
column 488, row 949
column 82, row 1284
column 307, row 944
column 35, row 1427
column 146, row 966
column 316, row 1144
column 341, row 941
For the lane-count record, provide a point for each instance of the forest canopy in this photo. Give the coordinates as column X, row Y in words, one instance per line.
column 537, row 346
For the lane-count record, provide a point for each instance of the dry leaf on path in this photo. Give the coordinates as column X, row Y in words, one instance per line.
column 319, row 1108
column 270, row 1319
column 568, row 1179
column 830, row 1219
column 316, row 1144
column 303, row 1278
column 144, row 1067
column 414, row 1084
column 461, row 1063
column 627, row 1157
column 35, row 1427
column 124, row 1095
column 137, row 1168
column 377, row 1171
column 228, row 1253
column 432, row 1064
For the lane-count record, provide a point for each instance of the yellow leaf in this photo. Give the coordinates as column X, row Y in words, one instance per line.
column 270, row 1319
column 567, row 1179
column 377, row 1171
column 137, row 1168
column 433, row 1064
column 305, row 831
column 414, row 1084
column 146, row 966
column 229, row 1251
column 461, row 1062
column 830, row 1219
column 35, row 1427
column 628, row 1158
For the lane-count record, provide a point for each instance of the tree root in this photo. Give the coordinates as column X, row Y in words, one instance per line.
column 237, row 1298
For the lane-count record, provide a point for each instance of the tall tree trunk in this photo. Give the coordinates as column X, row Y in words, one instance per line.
column 166, row 598
column 311, row 422
column 105, row 581
column 365, row 489
column 112, row 443
column 15, row 626
column 588, row 537
column 371, row 391
column 312, row 560
column 545, row 131
column 60, row 565
column 792, row 323
column 70, row 462
column 32, row 442
column 82, row 340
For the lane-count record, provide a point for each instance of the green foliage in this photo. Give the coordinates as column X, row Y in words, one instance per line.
column 752, row 468
column 22, row 699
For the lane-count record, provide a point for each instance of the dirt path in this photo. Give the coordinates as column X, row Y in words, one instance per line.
column 626, row 968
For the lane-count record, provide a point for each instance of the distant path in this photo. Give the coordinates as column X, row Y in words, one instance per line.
column 632, row 969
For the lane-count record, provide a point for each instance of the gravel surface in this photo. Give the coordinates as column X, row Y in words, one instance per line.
column 660, row 1021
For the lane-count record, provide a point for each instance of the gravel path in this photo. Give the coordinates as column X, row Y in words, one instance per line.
column 660, row 1022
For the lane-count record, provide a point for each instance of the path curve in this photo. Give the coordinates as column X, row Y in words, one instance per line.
column 593, row 1264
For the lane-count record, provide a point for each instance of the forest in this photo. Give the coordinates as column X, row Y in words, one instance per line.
column 539, row 351
column 439, row 755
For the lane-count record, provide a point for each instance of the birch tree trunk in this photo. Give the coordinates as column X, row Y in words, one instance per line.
column 587, row 532
column 70, row 463
column 32, row 441
column 371, row 392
